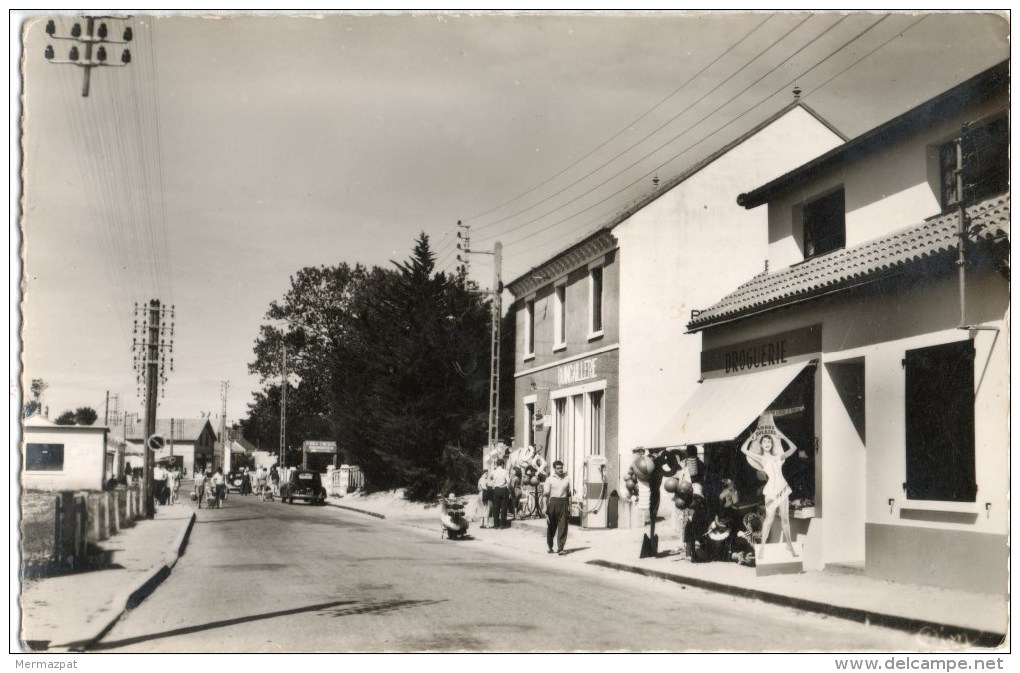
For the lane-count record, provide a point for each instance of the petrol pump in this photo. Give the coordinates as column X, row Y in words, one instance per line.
column 595, row 493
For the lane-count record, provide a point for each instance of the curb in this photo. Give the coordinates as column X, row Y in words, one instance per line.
column 960, row 634
column 355, row 509
column 141, row 590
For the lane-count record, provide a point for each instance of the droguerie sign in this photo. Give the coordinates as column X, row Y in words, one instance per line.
column 756, row 356
column 773, row 350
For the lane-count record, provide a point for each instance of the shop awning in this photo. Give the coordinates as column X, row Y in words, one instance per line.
column 722, row 408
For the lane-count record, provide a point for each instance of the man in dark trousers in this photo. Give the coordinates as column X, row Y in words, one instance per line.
column 556, row 491
column 499, row 482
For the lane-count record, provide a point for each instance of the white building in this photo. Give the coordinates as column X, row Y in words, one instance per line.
column 601, row 349
column 63, row 457
column 881, row 347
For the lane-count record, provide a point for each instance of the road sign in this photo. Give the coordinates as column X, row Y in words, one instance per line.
column 155, row 442
column 319, row 447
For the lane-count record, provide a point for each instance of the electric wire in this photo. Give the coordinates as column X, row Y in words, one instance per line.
column 517, row 253
column 665, row 145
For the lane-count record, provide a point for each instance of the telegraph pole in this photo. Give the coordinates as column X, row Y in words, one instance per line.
column 497, row 300
column 283, row 403
column 93, row 38
column 151, row 382
column 224, row 386
column 151, row 351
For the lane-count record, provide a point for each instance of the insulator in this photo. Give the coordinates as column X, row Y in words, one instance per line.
column 126, row 56
column 101, row 54
column 73, row 54
column 49, row 52
column 128, row 35
column 51, row 27
column 102, row 32
column 76, row 30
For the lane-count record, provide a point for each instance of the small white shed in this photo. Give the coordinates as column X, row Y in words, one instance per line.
column 62, row 457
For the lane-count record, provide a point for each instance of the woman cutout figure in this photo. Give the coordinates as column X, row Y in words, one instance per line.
column 768, row 457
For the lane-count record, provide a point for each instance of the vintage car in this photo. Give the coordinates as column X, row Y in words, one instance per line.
column 303, row 485
column 234, row 482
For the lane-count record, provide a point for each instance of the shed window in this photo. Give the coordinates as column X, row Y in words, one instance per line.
column 824, row 224
column 44, row 457
column 940, row 423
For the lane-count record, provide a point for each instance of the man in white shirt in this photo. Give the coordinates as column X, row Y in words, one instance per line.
column 557, row 491
column 499, row 482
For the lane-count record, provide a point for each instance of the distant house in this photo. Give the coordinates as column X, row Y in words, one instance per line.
column 190, row 441
column 64, row 457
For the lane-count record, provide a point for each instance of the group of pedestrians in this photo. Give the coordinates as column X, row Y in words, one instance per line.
column 211, row 488
column 494, row 494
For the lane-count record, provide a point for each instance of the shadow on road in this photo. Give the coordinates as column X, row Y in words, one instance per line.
column 332, row 609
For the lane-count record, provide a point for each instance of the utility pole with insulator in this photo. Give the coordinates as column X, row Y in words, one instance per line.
column 153, row 349
column 496, row 294
column 283, row 404
column 88, row 50
column 224, row 444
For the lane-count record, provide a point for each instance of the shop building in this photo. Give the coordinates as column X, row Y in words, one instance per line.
column 601, row 351
column 880, row 346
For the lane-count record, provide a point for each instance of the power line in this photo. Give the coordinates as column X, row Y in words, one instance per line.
column 673, row 139
column 778, row 91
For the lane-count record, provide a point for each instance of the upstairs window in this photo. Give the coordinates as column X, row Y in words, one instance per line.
column 824, row 224
column 595, row 300
column 940, row 423
column 985, row 163
column 529, row 328
column 560, row 317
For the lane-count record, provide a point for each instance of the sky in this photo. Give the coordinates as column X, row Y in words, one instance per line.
column 234, row 150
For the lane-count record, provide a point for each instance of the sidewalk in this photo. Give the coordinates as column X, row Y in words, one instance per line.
column 961, row 619
column 67, row 613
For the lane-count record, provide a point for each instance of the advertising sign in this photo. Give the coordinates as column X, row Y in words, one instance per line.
column 319, row 447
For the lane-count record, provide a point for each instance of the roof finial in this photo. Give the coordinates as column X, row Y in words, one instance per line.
column 796, row 92
column 655, row 180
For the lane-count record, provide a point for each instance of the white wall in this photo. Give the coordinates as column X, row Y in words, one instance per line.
column 686, row 250
column 892, row 186
column 84, row 459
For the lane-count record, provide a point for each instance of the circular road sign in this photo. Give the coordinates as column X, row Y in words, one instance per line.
column 156, row 442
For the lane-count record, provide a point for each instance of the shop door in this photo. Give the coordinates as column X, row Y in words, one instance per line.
column 560, row 442
column 574, row 469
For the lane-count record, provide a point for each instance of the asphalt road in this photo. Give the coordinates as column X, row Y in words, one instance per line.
column 270, row 577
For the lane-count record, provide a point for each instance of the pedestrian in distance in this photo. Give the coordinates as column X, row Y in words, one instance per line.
column 484, row 499
column 556, row 491
column 159, row 483
column 499, row 482
column 245, row 482
column 274, row 477
column 219, row 486
column 200, row 485
column 173, row 481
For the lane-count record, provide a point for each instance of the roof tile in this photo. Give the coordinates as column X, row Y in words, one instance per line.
column 989, row 219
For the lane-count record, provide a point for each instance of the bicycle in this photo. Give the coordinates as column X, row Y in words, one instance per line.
column 529, row 505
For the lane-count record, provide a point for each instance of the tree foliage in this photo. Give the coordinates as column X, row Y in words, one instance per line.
column 392, row 364
column 80, row 416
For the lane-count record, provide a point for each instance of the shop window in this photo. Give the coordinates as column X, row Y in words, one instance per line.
column 940, row 423
column 824, row 224
column 44, row 457
column 985, row 163
column 529, row 328
column 560, row 318
column 595, row 299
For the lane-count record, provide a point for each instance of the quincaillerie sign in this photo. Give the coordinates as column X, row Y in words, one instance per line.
column 579, row 370
column 766, row 352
